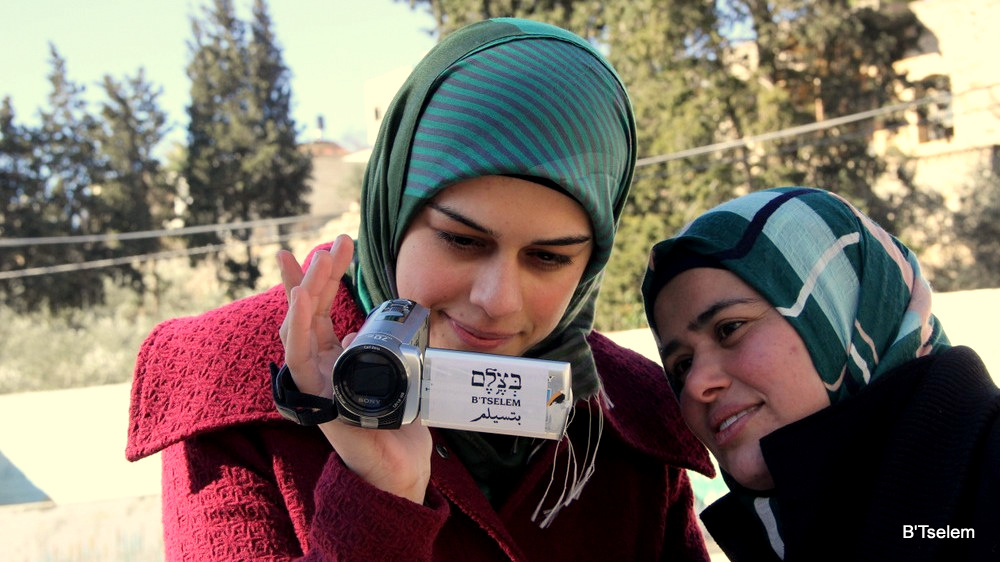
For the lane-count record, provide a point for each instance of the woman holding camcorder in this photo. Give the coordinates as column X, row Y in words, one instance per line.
column 491, row 200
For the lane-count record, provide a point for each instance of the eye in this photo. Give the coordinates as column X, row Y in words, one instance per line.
column 459, row 242
column 728, row 328
column 550, row 259
column 677, row 370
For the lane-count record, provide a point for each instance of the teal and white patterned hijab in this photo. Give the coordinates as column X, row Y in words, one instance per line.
column 853, row 292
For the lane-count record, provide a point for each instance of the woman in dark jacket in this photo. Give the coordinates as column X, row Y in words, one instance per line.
column 492, row 198
column 799, row 338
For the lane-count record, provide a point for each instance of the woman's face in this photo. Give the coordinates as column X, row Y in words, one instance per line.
column 745, row 370
column 496, row 260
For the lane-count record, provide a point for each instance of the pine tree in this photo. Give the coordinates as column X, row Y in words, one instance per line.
column 22, row 192
column 79, row 174
column 65, row 155
column 215, row 119
column 242, row 161
column 277, row 167
column 134, row 188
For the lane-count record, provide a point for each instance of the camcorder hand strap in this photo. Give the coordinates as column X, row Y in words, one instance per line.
column 299, row 407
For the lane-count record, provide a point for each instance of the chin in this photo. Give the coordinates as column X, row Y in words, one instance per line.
column 759, row 483
column 751, row 473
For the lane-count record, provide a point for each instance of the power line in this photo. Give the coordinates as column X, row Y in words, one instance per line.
column 648, row 161
column 808, row 128
column 125, row 260
column 814, row 142
column 790, row 132
column 642, row 162
column 200, row 229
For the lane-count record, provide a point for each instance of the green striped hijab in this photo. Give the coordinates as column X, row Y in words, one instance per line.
column 853, row 292
column 503, row 97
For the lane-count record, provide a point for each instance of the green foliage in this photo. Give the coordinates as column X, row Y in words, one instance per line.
column 242, row 158
column 44, row 350
column 980, row 223
column 81, row 173
column 976, row 227
column 703, row 73
column 77, row 174
column 622, row 278
column 134, row 187
column 52, row 170
column 74, row 347
column 835, row 60
column 22, row 192
column 134, row 191
column 451, row 15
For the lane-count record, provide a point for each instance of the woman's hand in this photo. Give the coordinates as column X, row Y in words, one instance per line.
column 397, row 461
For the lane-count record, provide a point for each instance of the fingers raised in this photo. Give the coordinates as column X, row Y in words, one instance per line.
column 338, row 260
column 291, row 271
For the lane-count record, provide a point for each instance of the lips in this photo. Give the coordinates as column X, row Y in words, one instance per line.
column 728, row 422
column 732, row 419
column 479, row 339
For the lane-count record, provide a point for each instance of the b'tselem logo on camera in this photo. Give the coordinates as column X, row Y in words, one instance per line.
column 497, row 390
column 496, row 394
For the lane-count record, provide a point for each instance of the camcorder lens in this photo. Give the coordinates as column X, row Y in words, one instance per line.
column 371, row 375
column 372, row 380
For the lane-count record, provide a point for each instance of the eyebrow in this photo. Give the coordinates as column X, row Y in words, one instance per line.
column 459, row 217
column 704, row 318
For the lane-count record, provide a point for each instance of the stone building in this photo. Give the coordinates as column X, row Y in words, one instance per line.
column 948, row 148
column 946, row 144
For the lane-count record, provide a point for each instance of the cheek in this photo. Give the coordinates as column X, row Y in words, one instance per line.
column 550, row 299
column 420, row 275
column 694, row 416
column 798, row 385
column 811, row 390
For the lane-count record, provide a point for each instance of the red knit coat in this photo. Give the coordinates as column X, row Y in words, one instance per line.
column 242, row 483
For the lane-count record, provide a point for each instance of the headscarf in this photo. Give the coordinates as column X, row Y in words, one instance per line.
column 853, row 292
column 503, row 97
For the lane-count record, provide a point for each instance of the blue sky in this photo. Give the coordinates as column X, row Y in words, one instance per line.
column 331, row 47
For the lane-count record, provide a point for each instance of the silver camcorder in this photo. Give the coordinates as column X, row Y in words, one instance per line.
column 388, row 376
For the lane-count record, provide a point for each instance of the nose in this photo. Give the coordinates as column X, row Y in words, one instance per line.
column 497, row 287
column 706, row 379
